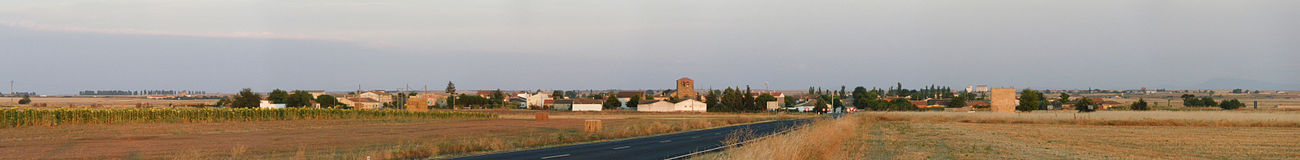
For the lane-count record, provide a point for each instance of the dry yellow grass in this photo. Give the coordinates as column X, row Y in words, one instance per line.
column 1118, row 135
column 823, row 139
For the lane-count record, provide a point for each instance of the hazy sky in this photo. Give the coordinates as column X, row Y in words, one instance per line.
column 60, row 47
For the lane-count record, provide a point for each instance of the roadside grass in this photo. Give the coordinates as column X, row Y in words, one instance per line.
column 1122, row 135
column 10, row 118
column 823, row 139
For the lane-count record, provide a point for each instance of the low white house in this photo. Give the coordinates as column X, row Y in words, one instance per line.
column 690, row 105
column 655, row 106
column 266, row 104
column 586, row 105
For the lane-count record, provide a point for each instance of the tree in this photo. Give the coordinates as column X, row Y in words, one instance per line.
column 299, row 99
column 711, row 102
column 749, row 101
column 570, row 94
column 1140, row 105
column 634, row 101
column 1237, row 90
column 498, row 97
column 327, row 101
column 763, row 99
column 789, row 101
column 246, row 99
column 958, row 102
column 451, row 91
column 1030, row 100
column 820, row 105
column 278, row 96
column 1190, row 100
column 1065, row 98
column 26, row 100
column 1208, row 102
column 557, row 94
column 611, row 102
column 1231, row 104
column 1084, row 105
column 732, row 100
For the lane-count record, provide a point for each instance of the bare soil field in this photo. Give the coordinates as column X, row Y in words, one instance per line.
column 936, row 135
column 338, row 139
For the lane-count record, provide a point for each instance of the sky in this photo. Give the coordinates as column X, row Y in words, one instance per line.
column 65, row 46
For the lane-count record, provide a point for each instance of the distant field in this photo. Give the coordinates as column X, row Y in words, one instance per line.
column 1288, row 100
column 344, row 138
column 113, row 102
column 931, row 135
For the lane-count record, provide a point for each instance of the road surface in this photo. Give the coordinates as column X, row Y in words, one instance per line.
column 648, row 148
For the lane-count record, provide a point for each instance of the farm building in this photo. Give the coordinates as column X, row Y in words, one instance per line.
column 562, row 105
column 378, row 96
column 586, row 104
column 690, row 105
column 624, row 96
column 365, row 103
column 655, row 106
column 537, row 100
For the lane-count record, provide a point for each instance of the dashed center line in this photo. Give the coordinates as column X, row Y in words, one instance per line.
column 665, row 141
column 695, row 137
column 556, row 156
column 623, row 147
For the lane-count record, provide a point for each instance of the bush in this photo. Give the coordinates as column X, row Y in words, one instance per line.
column 1140, row 105
column 1231, row 104
column 1085, row 105
column 26, row 99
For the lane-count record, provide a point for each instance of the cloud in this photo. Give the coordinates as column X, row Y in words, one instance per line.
column 78, row 29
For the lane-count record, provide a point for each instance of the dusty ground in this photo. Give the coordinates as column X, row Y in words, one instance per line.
column 324, row 139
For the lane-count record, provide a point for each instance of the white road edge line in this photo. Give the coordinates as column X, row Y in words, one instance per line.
column 665, row 141
column 623, row 147
column 556, row 156
column 725, row 146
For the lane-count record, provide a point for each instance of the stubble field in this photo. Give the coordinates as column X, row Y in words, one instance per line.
column 345, row 138
column 1118, row 135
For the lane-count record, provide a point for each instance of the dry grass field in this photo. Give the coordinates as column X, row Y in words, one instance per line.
column 344, row 138
column 937, row 135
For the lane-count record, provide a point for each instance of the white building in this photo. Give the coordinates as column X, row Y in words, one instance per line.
column 656, row 106
column 377, row 96
column 537, row 100
column 266, row 104
column 586, row 105
column 691, row 105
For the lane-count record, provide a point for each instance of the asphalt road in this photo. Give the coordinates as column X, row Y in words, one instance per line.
column 649, row 148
